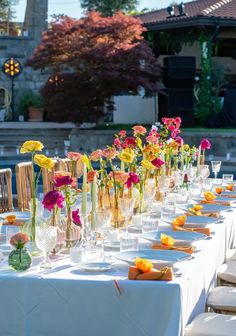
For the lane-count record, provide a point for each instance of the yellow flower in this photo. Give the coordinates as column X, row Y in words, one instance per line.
column 209, row 196
column 180, row 220
column 147, row 164
column 43, row 161
column 167, row 240
column 143, row 265
column 31, row 146
column 186, row 147
column 127, row 155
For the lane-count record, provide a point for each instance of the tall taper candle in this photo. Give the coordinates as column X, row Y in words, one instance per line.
column 94, row 200
column 84, row 190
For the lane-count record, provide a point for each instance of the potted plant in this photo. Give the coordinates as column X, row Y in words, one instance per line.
column 32, row 106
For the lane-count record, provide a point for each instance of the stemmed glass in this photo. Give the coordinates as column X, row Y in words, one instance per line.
column 127, row 209
column 46, row 241
column 103, row 226
column 215, row 166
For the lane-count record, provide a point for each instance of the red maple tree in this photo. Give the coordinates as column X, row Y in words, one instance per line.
column 92, row 59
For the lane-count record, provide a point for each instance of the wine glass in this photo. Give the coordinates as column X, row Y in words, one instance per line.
column 46, row 241
column 215, row 166
column 127, row 209
column 204, row 171
column 102, row 227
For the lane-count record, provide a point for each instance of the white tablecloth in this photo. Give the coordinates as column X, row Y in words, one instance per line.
column 68, row 302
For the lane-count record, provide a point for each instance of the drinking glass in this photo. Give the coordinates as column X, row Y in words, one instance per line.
column 228, row 178
column 127, row 209
column 149, row 223
column 103, row 226
column 215, row 166
column 149, row 193
column 204, row 171
column 128, row 242
column 181, row 197
column 195, row 189
column 207, row 185
column 46, row 241
column 167, row 209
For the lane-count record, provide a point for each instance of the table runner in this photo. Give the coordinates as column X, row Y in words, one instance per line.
column 67, row 301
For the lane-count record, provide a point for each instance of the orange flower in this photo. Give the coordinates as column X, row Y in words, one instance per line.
column 139, row 130
column 96, row 155
column 91, row 174
column 196, row 209
column 109, row 153
column 10, row 219
column 167, row 240
column 180, row 220
column 75, row 156
column 218, row 190
column 120, row 176
column 230, row 187
column 209, row 196
column 143, row 265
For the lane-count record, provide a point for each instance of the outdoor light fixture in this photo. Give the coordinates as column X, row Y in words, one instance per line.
column 171, row 11
column 181, row 9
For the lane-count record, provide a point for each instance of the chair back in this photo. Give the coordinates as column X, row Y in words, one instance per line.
column 67, row 165
column 48, row 177
column 6, row 203
column 24, row 184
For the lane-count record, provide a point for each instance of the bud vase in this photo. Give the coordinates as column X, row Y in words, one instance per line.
column 20, row 259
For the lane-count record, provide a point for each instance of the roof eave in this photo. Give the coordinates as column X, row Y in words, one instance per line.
column 191, row 22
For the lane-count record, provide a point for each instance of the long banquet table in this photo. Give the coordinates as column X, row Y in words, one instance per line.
column 67, row 301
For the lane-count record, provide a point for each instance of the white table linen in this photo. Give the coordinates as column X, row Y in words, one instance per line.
column 68, row 301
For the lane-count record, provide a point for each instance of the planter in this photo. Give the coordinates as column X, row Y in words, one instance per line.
column 36, row 113
column 19, row 259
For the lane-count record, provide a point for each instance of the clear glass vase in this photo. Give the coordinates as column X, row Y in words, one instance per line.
column 20, row 259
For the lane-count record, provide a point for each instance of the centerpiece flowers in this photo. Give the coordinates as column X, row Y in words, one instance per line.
column 66, row 187
column 32, row 147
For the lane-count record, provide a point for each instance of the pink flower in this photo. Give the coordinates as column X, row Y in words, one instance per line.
column 178, row 120
column 179, row 141
column 110, row 153
column 63, row 181
column 139, row 130
column 91, row 175
column 122, row 134
column 19, row 240
column 133, row 178
column 75, row 156
column 152, row 139
column 76, row 217
column 205, row 144
column 175, row 133
column 117, row 142
column 96, row 155
column 157, row 163
column 129, row 142
column 53, row 198
column 171, row 127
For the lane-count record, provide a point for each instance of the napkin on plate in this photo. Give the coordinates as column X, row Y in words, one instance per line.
column 165, row 274
column 226, row 203
column 206, row 231
column 186, row 249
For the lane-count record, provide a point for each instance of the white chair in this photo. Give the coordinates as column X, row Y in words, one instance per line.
column 231, row 255
column 212, row 324
column 227, row 273
column 222, row 299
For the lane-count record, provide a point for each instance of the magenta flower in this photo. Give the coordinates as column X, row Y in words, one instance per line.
column 53, row 198
column 76, row 217
column 122, row 134
column 178, row 121
column 175, row 133
column 133, row 178
column 205, row 144
column 117, row 142
column 158, row 162
column 130, row 142
column 63, row 181
column 179, row 141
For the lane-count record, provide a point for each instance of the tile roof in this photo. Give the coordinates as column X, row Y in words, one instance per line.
column 199, row 8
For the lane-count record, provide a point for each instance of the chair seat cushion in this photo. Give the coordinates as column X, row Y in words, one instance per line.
column 231, row 255
column 211, row 324
column 222, row 298
column 227, row 271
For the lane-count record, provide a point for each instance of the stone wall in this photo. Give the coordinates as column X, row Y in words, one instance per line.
column 22, row 47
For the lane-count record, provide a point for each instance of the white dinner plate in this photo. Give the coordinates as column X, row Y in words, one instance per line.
column 95, row 266
column 199, row 220
column 211, row 207
column 180, row 237
column 156, row 257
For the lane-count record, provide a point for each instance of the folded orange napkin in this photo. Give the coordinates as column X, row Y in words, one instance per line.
column 226, row 203
column 206, row 231
column 186, row 249
column 207, row 214
column 165, row 274
column 229, row 195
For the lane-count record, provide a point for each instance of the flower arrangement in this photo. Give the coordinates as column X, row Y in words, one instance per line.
column 19, row 259
column 32, row 147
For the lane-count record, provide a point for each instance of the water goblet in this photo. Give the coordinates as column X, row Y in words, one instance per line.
column 46, row 241
column 215, row 166
column 195, row 190
column 127, row 209
column 103, row 226
column 167, row 209
column 227, row 178
column 204, row 171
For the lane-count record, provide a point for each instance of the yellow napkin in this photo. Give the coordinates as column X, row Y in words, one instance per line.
column 206, row 231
